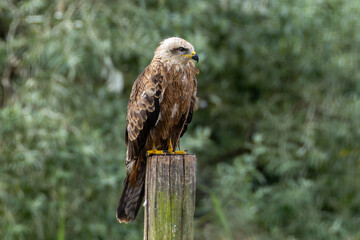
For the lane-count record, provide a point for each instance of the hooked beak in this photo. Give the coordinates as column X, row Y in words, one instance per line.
column 193, row 55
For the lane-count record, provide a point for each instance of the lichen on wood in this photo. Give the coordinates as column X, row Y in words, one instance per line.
column 170, row 197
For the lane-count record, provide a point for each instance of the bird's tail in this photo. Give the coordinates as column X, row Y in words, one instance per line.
column 132, row 196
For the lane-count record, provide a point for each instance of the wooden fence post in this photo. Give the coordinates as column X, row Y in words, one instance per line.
column 170, row 197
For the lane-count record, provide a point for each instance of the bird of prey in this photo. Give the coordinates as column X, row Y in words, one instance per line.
column 160, row 107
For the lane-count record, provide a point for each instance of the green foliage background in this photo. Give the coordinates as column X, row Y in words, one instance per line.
column 277, row 133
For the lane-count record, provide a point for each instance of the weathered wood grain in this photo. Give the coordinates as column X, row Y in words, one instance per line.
column 170, row 197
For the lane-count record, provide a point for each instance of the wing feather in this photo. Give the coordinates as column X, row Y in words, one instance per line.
column 143, row 109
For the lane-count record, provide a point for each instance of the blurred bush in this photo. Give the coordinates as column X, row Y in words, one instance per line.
column 276, row 134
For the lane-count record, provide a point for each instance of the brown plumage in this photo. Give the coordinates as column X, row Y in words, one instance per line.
column 160, row 107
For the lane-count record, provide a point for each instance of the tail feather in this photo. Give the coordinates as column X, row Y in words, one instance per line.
column 131, row 198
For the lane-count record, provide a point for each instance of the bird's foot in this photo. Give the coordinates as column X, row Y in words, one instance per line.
column 154, row 151
column 181, row 152
column 171, row 150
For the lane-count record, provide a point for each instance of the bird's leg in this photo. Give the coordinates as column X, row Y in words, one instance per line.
column 171, row 150
column 154, row 151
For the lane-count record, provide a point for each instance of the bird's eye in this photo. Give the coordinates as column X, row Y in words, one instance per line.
column 182, row 49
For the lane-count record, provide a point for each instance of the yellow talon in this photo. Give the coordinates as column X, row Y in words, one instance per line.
column 171, row 150
column 182, row 152
column 155, row 152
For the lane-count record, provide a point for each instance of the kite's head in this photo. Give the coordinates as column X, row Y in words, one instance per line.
column 176, row 51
